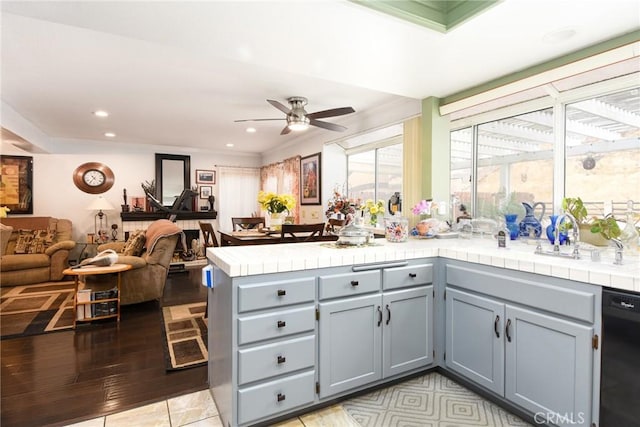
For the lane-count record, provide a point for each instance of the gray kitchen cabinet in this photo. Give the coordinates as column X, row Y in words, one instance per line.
column 540, row 360
column 377, row 335
column 548, row 365
column 350, row 337
column 407, row 339
column 474, row 339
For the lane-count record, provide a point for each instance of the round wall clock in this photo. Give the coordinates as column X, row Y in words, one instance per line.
column 93, row 177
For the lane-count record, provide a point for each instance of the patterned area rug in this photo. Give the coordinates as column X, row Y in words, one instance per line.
column 36, row 309
column 429, row 400
column 185, row 333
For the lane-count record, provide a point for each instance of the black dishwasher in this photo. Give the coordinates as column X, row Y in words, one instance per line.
column 620, row 373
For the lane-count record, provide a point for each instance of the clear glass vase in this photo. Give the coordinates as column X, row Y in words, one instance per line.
column 276, row 219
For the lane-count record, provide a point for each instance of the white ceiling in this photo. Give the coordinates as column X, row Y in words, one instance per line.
column 179, row 73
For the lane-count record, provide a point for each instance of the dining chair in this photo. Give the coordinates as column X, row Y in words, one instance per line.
column 247, row 223
column 210, row 239
column 301, row 232
column 332, row 223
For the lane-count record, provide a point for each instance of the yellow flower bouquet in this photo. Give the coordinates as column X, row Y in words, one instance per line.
column 276, row 203
column 374, row 209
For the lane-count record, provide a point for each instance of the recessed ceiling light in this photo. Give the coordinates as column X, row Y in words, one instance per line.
column 251, row 130
column 229, row 145
column 100, row 113
column 558, row 36
column 110, row 134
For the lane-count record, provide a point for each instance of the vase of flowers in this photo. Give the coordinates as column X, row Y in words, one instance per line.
column 373, row 209
column 423, row 209
column 278, row 206
column 341, row 207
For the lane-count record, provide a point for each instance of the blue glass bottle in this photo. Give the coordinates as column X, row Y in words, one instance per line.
column 551, row 229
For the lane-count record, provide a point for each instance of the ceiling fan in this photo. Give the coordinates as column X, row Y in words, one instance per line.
column 298, row 119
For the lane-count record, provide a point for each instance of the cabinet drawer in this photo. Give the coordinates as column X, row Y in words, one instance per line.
column 276, row 396
column 349, row 284
column 275, row 294
column 275, row 325
column 267, row 361
column 402, row 277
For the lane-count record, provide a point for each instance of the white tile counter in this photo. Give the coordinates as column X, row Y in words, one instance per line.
column 261, row 259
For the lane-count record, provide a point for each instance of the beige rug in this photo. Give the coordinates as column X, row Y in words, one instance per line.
column 36, row 309
column 185, row 333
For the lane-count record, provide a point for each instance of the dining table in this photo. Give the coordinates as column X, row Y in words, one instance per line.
column 256, row 237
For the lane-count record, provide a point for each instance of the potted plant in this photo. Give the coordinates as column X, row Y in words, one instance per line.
column 593, row 230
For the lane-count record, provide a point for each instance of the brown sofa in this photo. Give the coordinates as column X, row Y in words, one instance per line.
column 146, row 280
column 29, row 268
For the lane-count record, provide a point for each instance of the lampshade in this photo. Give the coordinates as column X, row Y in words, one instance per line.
column 100, row 204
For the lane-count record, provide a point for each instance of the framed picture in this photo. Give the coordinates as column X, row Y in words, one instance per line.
column 205, row 191
column 16, row 184
column 138, row 204
column 205, row 177
column 310, row 180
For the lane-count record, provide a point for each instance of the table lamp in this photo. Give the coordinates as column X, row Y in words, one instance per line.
column 100, row 219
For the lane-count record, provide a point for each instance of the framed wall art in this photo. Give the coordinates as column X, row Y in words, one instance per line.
column 310, row 180
column 205, row 176
column 16, row 184
column 205, row 191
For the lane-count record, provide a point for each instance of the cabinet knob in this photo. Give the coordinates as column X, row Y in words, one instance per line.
column 281, row 323
column 354, row 283
column 413, row 275
column 281, row 292
column 281, row 359
column 281, row 397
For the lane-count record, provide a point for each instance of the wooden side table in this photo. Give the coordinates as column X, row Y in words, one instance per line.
column 95, row 270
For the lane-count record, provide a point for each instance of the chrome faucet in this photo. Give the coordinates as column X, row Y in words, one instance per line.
column 575, row 235
column 619, row 249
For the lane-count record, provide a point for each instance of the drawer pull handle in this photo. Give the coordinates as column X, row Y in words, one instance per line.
column 281, row 323
column 379, row 316
column 354, row 283
column 413, row 275
column 388, row 314
column 506, row 330
column 281, row 359
column 281, row 397
column 281, row 292
column 495, row 327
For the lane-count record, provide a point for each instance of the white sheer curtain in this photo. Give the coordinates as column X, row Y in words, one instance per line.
column 238, row 193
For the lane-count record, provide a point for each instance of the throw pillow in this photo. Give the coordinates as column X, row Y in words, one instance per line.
column 34, row 241
column 134, row 244
column 5, row 234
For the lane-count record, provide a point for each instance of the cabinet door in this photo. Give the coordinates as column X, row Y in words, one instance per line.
column 350, row 334
column 407, row 337
column 474, row 338
column 549, row 365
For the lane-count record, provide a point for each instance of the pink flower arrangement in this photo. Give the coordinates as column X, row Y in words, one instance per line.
column 424, row 207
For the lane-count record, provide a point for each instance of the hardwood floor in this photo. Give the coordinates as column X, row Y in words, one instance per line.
column 63, row 377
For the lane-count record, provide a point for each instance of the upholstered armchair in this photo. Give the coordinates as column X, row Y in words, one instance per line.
column 146, row 280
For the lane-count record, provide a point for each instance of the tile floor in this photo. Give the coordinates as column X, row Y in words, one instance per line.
column 199, row 410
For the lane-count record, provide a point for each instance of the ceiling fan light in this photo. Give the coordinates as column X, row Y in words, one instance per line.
column 298, row 126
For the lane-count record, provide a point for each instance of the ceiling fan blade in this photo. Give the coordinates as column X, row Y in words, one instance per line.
column 331, row 113
column 256, row 120
column 285, row 131
column 327, row 125
column 279, row 106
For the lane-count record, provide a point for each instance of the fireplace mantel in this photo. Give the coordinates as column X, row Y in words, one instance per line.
column 152, row 216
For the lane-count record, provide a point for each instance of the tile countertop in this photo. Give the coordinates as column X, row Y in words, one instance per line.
column 519, row 255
